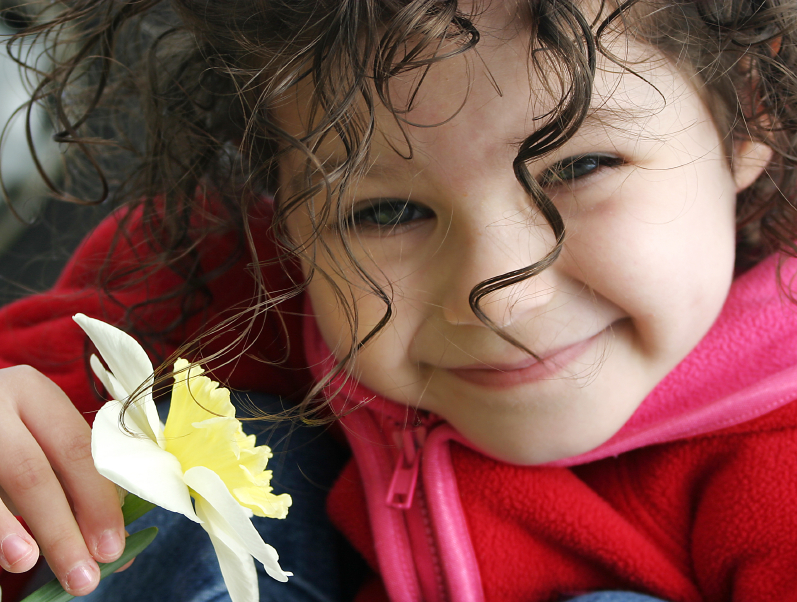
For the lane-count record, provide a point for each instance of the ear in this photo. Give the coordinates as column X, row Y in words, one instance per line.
column 750, row 158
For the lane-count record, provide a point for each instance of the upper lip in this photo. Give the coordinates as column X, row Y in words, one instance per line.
column 526, row 362
column 499, row 366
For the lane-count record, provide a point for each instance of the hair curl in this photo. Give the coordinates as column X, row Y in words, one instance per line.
column 205, row 75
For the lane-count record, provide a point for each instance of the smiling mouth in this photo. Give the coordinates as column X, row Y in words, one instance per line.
column 502, row 376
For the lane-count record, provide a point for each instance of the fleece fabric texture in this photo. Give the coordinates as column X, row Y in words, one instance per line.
column 710, row 517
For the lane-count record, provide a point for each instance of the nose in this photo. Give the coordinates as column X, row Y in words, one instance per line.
column 498, row 255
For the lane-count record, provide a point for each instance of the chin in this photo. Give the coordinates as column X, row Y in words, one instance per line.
column 524, row 450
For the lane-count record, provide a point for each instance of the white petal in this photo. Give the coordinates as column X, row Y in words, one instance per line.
column 228, row 520
column 108, row 380
column 237, row 566
column 127, row 361
column 136, row 412
column 138, row 464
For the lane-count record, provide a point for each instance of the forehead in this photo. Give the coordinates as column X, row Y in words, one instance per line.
column 470, row 93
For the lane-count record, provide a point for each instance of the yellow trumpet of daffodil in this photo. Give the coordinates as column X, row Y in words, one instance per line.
column 202, row 430
column 201, row 453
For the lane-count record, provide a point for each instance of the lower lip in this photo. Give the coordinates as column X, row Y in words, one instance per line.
column 503, row 379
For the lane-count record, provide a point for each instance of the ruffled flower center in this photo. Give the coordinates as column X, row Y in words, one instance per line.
column 201, row 430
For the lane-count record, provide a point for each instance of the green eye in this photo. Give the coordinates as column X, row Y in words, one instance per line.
column 574, row 168
column 389, row 213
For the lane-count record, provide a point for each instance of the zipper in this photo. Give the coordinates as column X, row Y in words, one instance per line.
column 431, row 542
column 405, row 474
column 405, row 495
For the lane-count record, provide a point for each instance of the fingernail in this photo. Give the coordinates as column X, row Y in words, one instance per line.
column 14, row 549
column 79, row 578
column 110, row 545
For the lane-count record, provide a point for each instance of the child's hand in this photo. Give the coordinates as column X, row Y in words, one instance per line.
column 47, row 476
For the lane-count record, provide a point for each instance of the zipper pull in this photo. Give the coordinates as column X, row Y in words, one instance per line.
column 405, row 475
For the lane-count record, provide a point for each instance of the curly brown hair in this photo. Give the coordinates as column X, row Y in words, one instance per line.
column 180, row 93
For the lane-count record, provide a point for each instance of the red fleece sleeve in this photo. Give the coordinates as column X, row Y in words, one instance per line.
column 39, row 330
column 744, row 540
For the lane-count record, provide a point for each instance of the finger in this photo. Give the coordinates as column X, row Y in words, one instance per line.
column 93, row 498
column 29, row 480
column 18, row 550
column 4, row 499
column 47, row 466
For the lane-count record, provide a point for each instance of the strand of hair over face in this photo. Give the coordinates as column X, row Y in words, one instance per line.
column 162, row 103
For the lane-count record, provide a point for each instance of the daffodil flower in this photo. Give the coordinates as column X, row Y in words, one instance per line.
column 201, row 453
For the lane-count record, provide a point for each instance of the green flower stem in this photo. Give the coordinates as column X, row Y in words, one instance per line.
column 133, row 508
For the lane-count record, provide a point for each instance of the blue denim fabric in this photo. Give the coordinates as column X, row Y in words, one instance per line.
column 615, row 597
column 181, row 566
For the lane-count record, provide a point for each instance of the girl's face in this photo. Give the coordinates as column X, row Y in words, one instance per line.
column 648, row 201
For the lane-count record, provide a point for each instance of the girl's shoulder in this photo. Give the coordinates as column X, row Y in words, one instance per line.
column 115, row 275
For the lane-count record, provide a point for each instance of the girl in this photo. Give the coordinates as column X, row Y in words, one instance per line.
column 532, row 254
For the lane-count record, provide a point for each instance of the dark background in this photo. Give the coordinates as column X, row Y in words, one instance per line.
column 34, row 260
column 33, row 250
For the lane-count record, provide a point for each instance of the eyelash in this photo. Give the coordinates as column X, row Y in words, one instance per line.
column 404, row 213
column 551, row 177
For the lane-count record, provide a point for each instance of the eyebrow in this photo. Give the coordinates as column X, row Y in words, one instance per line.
column 597, row 116
column 610, row 116
column 333, row 162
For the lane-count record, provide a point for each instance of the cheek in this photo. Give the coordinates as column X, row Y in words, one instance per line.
column 338, row 306
column 331, row 320
column 385, row 364
column 342, row 297
column 660, row 251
